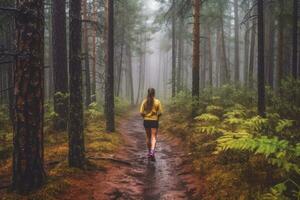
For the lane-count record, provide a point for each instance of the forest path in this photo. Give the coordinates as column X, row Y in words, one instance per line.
column 142, row 179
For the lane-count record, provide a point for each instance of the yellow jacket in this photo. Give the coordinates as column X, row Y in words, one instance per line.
column 155, row 112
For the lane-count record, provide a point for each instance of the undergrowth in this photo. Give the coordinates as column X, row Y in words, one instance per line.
column 238, row 153
column 98, row 143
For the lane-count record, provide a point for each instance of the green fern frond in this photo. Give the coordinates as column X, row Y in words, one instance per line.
column 283, row 124
column 256, row 124
column 209, row 130
column 207, row 117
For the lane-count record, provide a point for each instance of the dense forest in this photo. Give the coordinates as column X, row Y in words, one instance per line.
column 74, row 72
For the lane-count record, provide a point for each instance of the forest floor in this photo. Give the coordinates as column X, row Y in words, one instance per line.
column 129, row 174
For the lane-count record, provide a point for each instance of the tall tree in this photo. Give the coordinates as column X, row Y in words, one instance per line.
column 173, row 48
column 94, row 16
column 76, row 135
column 196, row 48
column 129, row 70
column 260, row 67
column 86, row 55
column 251, row 58
column 60, row 66
column 210, row 58
column 28, row 159
column 180, row 52
column 295, row 38
column 109, row 66
column 280, row 44
column 236, row 43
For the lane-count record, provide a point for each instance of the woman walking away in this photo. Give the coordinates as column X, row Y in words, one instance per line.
column 151, row 110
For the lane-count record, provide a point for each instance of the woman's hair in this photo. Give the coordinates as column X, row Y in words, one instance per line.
column 150, row 99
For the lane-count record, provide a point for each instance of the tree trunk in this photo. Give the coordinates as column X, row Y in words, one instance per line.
column 180, row 47
column 225, row 75
column 86, row 57
column 246, row 54
column 280, row 46
column 210, row 58
column 236, row 43
column 269, row 42
column 28, row 159
column 252, row 53
column 295, row 39
column 60, row 66
column 94, row 51
column 120, row 66
column 109, row 68
column 129, row 57
column 76, row 135
column 196, row 49
column 260, row 67
column 173, row 48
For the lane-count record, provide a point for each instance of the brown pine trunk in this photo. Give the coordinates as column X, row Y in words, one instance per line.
column 120, row 66
column 94, row 50
column 196, row 49
column 236, row 43
column 109, row 68
column 173, row 48
column 260, row 68
column 295, row 39
column 210, row 58
column 28, row 159
column 246, row 54
column 86, row 57
column 180, row 47
column 60, row 66
column 280, row 45
column 225, row 75
column 129, row 57
column 252, row 53
column 76, row 135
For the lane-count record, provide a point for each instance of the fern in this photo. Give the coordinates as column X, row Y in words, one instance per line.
column 209, row 118
column 209, row 130
column 283, row 124
column 213, row 109
column 256, row 124
column 276, row 193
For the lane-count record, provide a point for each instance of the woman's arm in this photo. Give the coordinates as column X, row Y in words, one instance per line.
column 142, row 109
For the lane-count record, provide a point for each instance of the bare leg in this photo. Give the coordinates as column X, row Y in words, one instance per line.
column 153, row 138
column 148, row 138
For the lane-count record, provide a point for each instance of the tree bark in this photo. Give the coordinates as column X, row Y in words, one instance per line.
column 225, row 75
column 210, row 58
column 236, row 43
column 196, row 49
column 295, row 39
column 252, row 53
column 86, row 57
column 180, row 48
column 76, row 135
column 129, row 57
column 94, row 51
column 60, row 66
column 280, row 46
column 173, row 48
column 28, row 159
column 109, row 68
column 246, row 54
column 260, row 67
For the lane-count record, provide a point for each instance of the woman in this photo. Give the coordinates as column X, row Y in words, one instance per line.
column 151, row 110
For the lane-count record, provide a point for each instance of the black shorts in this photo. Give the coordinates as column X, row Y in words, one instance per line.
column 150, row 123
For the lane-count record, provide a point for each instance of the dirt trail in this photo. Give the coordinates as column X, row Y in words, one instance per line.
column 168, row 178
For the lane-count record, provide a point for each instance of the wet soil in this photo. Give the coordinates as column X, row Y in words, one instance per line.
column 169, row 177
